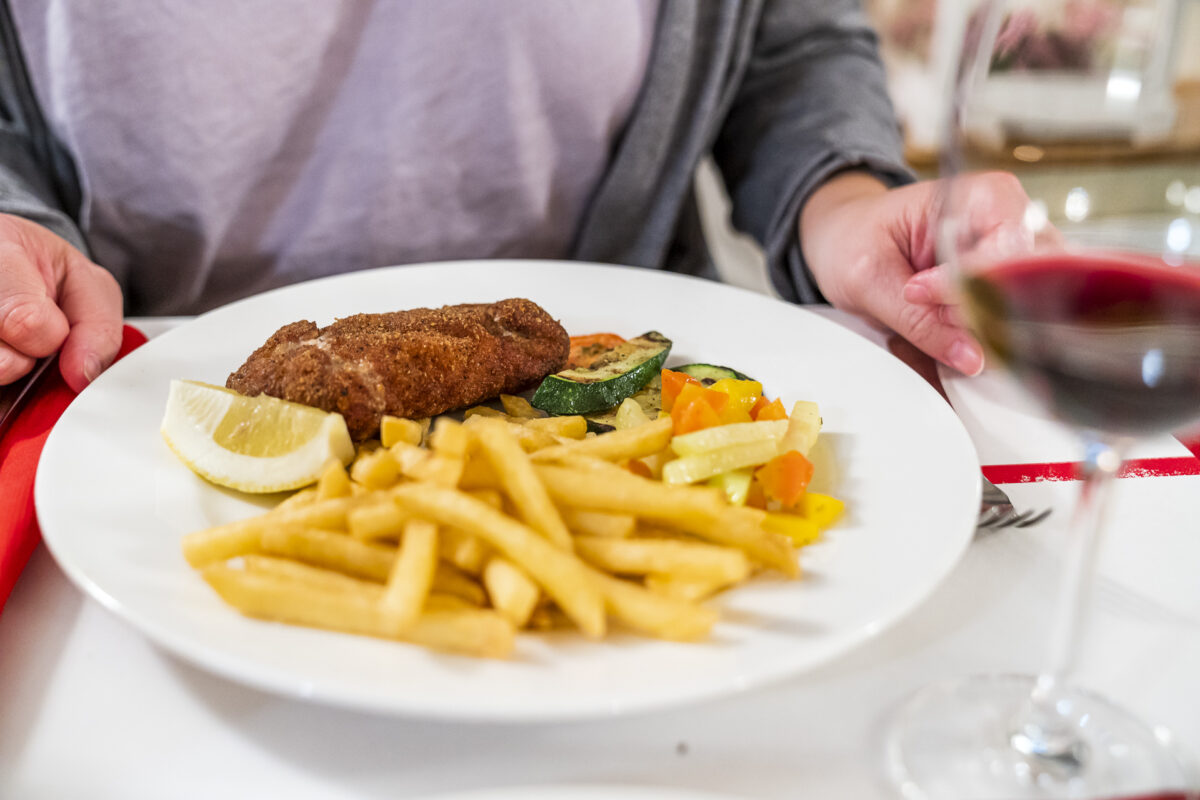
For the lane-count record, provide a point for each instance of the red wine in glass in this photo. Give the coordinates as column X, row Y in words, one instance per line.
column 1108, row 341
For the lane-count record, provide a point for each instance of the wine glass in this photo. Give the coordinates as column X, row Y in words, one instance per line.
column 1089, row 296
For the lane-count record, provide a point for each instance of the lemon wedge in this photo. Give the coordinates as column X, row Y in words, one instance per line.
column 252, row 444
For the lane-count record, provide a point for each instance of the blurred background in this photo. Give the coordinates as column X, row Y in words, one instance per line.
column 919, row 41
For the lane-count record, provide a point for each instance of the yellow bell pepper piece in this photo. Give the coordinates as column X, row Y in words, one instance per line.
column 742, row 396
column 821, row 509
column 800, row 530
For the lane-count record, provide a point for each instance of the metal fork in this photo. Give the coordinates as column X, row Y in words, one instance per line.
column 996, row 511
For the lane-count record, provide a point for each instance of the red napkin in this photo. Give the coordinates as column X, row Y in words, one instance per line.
column 19, row 452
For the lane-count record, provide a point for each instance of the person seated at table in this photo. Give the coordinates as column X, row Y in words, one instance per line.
column 165, row 158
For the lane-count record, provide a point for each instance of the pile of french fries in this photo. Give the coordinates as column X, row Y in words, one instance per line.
column 456, row 535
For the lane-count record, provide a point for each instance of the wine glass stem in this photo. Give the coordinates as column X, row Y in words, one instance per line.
column 1047, row 730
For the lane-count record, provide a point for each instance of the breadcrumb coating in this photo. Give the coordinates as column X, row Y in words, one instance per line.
column 413, row 364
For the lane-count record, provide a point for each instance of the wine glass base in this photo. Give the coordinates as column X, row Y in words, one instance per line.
column 963, row 740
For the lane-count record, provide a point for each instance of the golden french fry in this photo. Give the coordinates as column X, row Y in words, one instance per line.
column 223, row 542
column 482, row 411
column 438, row 469
column 684, row 588
column 448, row 602
column 722, row 436
column 490, row 496
column 624, row 493
column 564, row 577
column 529, row 437
column 512, row 593
column 599, row 523
column 570, row 427
column 330, row 550
column 707, row 463
column 519, row 407
column 302, row 497
column 731, row 528
column 467, row 552
column 534, row 439
column 468, row 631
column 547, row 618
column 804, row 426
column 411, row 576
column 591, row 464
column 397, row 429
column 334, row 482
column 478, row 474
column 656, row 461
column 375, row 470
column 408, row 456
column 448, row 438
column 520, row 482
column 620, row 445
column 659, row 530
column 306, row 574
column 379, row 518
column 654, row 614
column 700, row 511
column 244, row 536
column 449, row 580
column 664, row 557
column 476, row 632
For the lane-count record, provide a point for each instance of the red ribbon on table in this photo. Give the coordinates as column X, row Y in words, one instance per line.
column 20, row 449
column 1069, row 470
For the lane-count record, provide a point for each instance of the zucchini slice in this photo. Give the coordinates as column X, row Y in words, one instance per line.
column 708, row 374
column 618, row 374
column 649, row 398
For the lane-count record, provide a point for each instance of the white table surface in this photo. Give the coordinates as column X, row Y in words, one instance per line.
column 91, row 709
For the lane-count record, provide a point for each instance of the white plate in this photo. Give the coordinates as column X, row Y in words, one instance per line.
column 114, row 502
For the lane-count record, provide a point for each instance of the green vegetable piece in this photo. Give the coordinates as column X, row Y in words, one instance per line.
column 618, row 374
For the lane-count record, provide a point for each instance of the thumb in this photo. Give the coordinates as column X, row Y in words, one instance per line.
column 91, row 301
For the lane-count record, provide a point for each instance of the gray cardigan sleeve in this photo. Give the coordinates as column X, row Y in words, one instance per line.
column 813, row 101
column 32, row 167
column 26, row 190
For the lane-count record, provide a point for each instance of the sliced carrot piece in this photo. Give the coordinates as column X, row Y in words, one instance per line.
column 772, row 410
column 786, row 477
column 693, row 409
column 586, row 349
column 758, row 406
column 672, row 384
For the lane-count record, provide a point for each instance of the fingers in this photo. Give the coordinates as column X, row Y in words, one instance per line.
column 930, row 287
column 52, row 298
column 932, row 326
column 31, row 324
column 91, row 300
column 13, row 364
column 30, row 321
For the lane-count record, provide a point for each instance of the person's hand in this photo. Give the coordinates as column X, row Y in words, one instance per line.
column 53, row 298
column 872, row 252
